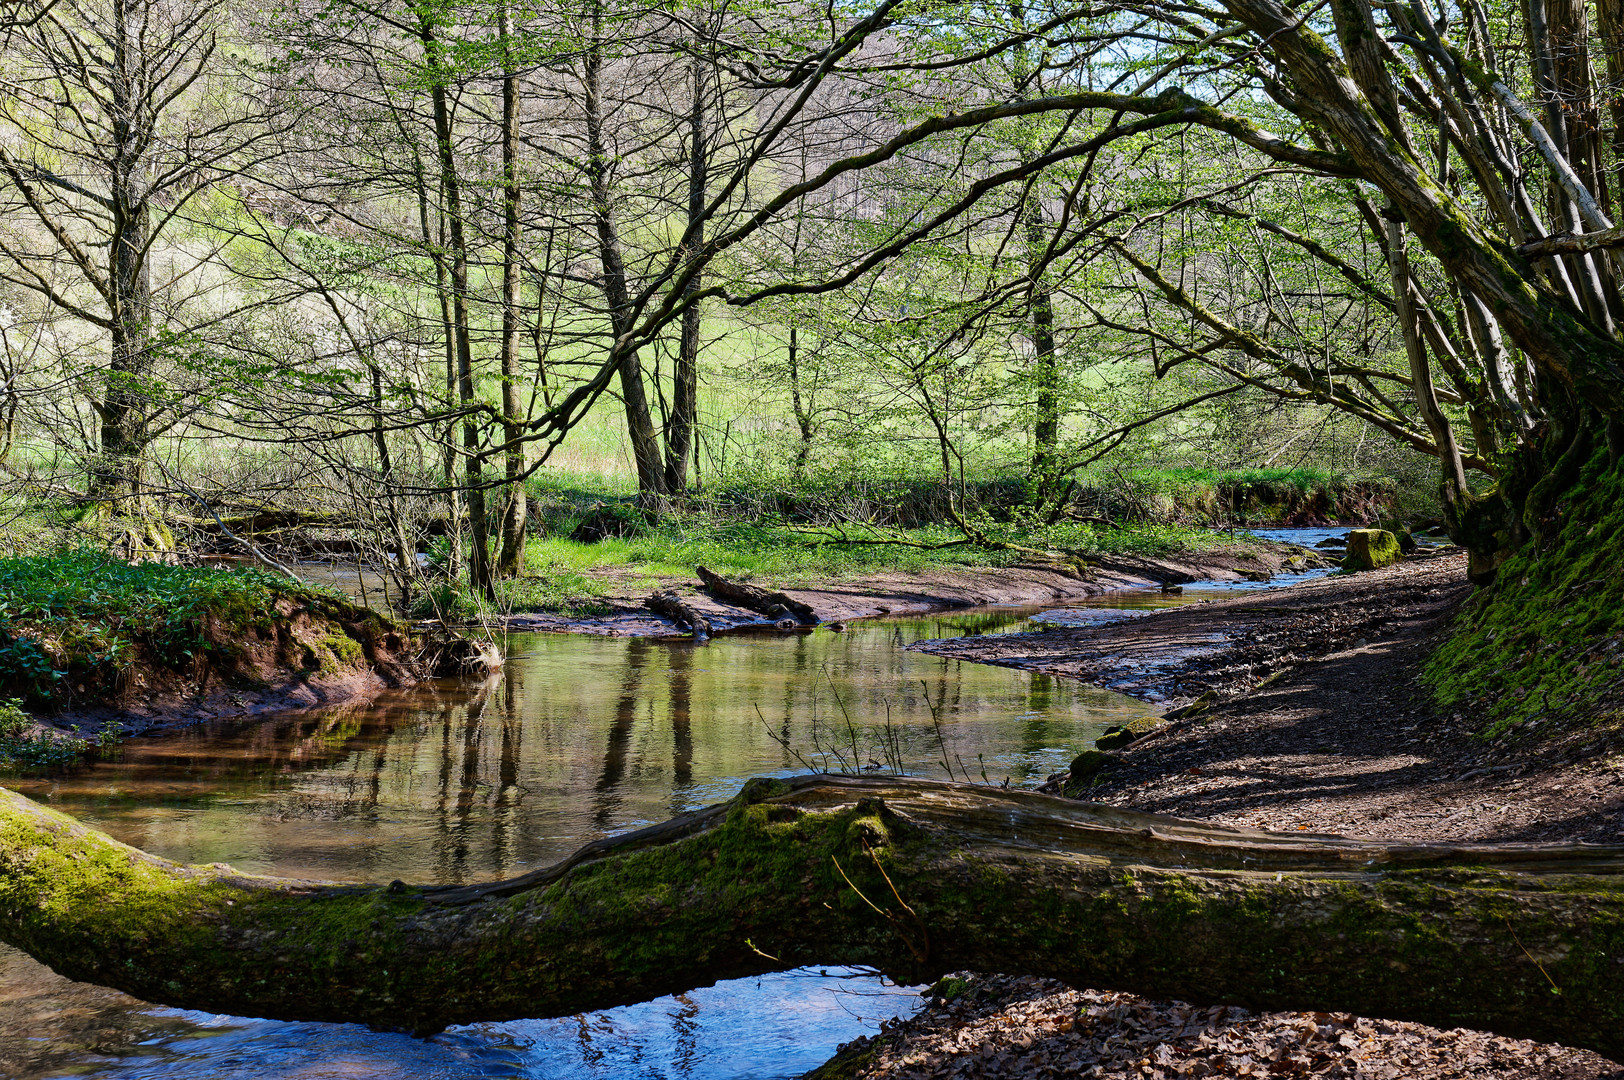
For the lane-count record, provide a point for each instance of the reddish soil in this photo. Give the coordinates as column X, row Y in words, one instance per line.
column 304, row 658
column 1321, row 725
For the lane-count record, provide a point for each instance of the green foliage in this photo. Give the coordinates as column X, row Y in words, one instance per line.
column 84, row 614
column 1542, row 651
column 13, row 720
column 1277, row 496
column 26, row 747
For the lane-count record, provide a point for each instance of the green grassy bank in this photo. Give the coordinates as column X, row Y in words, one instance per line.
column 1539, row 656
column 574, row 576
column 81, row 627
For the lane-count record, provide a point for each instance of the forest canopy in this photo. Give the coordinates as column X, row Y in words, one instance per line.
column 381, row 262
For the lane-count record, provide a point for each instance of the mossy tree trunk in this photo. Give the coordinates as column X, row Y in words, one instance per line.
column 914, row 877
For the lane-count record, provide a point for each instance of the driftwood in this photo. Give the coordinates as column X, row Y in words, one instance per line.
column 668, row 603
column 914, row 877
column 774, row 605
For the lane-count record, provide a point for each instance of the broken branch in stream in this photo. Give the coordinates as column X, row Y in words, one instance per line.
column 666, row 602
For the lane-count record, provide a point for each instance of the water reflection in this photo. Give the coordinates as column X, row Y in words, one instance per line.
column 578, row 738
column 462, row 781
column 777, row 1026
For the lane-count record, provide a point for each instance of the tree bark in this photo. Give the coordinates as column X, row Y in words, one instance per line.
column 126, row 405
column 668, row 603
column 1045, row 363
column 914, row 877
column 770, row 604
column 1452, row 488
column 510, row 562
column 640, row 428
column 798, row 405
column 679, row 431
column 479, row 562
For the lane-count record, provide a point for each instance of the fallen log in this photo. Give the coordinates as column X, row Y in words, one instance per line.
column 668, row 603
column 774, row 605
column 914, row 877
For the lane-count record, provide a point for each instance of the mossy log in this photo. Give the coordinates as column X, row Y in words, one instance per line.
column 774, row 605
column 914, row 877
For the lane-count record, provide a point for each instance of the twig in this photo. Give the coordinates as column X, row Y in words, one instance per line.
column 253, row 549
column 1555, row 989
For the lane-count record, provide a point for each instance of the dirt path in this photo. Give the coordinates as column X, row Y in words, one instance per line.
column 913, row 594
column 1340, row 738
column 1343, row 738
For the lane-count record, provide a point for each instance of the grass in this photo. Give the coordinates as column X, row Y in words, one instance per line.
column 573, row 577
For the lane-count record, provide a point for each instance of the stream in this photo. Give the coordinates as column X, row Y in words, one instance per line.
column 576, row 738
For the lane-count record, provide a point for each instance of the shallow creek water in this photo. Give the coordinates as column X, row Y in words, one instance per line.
column 578, row 737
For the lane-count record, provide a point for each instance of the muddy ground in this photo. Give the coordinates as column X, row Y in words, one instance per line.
column 913, row 594
column 1340, row 737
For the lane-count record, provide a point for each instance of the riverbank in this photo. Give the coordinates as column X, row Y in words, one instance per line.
column 1323, row 724
column 917, row 591
column 1350, row 740
column 89, row 643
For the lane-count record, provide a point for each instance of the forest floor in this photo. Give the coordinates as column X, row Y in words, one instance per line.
column 1322, row 725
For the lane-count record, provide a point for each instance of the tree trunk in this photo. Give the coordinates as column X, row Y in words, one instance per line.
column 479, row 562
column 1045, row 364
column 1452, row 488
column 798, row 405
column 914, row 877
column 448, row 453
column 771, row 604
column 127, row 400
column 510, row 563
column 666, row 602
column 679, row 431
column 640, row 428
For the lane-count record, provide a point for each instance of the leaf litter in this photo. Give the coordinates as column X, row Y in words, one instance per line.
column 1019, row 1027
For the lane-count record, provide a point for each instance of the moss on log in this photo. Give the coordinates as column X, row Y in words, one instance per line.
column 914, row 877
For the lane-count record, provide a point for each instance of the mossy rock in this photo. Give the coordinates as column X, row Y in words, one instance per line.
column 1088, row 769
column 1121, row 735
column 1371, row 549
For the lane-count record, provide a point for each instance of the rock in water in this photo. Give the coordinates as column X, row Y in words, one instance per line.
column 1370, row 549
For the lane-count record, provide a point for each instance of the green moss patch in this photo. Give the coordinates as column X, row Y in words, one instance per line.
column 1542, row 650
column 1371, row 549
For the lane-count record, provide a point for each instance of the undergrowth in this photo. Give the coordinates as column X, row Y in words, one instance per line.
column 83, row 613
column 1144, row 496
column 1541, row 652
column 26, row 747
